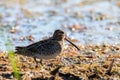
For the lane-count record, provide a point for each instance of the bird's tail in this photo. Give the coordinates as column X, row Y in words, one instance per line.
column 20, row 50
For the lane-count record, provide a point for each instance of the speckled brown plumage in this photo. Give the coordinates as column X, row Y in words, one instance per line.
column 45, row 49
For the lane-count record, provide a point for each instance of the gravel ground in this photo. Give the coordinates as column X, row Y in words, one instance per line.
column 91, row 24
column 91, row 63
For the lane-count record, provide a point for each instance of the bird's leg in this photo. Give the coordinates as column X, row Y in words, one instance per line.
column 41, row 62
column 37, row 61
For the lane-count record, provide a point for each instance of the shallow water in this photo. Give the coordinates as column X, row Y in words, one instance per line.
column 89, row 22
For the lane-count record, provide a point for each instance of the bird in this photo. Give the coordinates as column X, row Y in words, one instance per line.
column 45, row 49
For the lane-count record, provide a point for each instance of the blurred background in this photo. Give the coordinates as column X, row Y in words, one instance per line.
column 86, row 22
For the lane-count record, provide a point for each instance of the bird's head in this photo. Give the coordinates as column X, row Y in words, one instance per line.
column 59, row 35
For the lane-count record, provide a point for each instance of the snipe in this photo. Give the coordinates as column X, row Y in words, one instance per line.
column 45, row 49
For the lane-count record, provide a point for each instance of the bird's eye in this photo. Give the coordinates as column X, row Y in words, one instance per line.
column 62, row 32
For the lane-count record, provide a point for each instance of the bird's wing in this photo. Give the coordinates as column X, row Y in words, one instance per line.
column 34, row 47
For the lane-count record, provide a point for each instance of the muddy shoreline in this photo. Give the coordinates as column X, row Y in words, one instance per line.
column 93, row 62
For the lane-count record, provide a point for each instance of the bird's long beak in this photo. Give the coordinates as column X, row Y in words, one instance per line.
column 72, row 43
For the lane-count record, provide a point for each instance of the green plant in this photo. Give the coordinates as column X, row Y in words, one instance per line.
column 12, row 59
